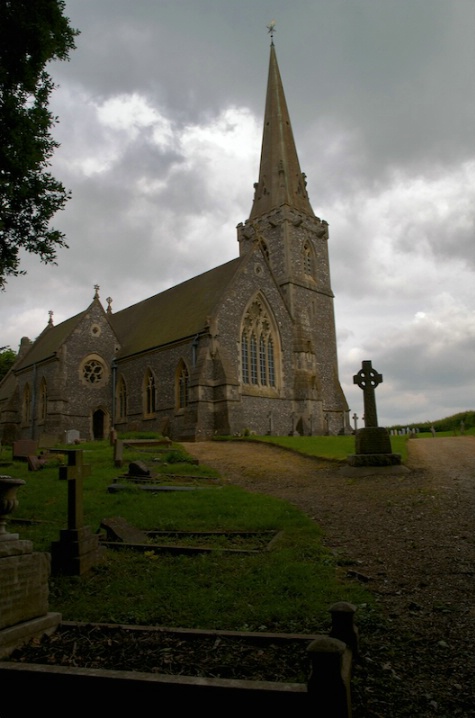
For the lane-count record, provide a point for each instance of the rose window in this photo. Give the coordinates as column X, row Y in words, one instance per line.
column 93, row 371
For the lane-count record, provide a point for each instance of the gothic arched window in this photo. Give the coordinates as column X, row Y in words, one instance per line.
column 43, row 403
column 121, row 394
column 258, row 341
column 26, row 405
column 149, row 393
column 182, row 385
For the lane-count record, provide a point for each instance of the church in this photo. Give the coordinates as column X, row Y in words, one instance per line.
column 247, row 347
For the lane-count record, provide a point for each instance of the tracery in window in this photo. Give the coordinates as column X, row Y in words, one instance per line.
column 26, row 406
column 121, row 394
column 244, row 359
column 182, row 379
column 149, row 393
column 257, row 347
column 43, row 403
column 93, row 371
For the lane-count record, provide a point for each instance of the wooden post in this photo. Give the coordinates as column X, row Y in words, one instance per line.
column 330, row 676
column 343, row 626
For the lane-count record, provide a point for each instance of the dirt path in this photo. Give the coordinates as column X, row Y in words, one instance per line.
column 410, row 538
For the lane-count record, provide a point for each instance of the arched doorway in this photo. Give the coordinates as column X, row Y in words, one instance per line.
column 98, row 424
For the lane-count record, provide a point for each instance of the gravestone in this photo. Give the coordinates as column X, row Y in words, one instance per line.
column 35, row 463
column 72, row 436
column 24, row 448
column 372, row 443
column 139, row 469
column 78, row 548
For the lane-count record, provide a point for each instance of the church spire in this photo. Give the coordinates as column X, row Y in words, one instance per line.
column 281, row 181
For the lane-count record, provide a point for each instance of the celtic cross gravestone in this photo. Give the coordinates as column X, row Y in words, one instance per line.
column 372, row 443
column 368, row 379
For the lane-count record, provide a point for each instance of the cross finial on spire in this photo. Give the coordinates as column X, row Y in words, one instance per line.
column 96, row 291
column 50, row 320
column 271, row 30
column 109, row 305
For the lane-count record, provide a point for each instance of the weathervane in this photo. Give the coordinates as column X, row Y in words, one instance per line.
column 271, row 30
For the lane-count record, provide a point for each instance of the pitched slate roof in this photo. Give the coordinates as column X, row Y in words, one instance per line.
column 177, row 313
column 49, row 342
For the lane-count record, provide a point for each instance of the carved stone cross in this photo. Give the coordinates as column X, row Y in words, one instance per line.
column 74, row 473
column 368, row 379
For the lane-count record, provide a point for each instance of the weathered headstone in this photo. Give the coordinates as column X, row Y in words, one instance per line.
column 372, row 443
column 78, row 548
column 72, row 436
column 24, row 448
column 139, row 469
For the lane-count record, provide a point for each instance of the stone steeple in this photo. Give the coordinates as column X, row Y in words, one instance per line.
column 294, row 242
column 281, row 181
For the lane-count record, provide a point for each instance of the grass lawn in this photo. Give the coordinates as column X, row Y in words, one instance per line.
column 328, row 447
column 288, row 588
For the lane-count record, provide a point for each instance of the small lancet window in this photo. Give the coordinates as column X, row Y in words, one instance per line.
column 122, row 399
column 27, row 404
column 43, row 404
column 182, row 386
column 149, row 393
column 307, row 260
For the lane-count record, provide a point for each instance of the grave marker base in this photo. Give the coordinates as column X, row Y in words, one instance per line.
column 76, row 552
column 373, row 448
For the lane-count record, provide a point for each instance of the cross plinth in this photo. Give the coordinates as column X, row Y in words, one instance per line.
column 368, row 379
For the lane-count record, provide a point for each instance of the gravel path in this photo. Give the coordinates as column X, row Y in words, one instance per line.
column 410, row 538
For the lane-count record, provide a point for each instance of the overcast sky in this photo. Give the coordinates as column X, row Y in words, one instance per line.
column 160, row 121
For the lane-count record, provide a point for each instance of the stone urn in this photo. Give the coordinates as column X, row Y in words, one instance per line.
column 8, row 503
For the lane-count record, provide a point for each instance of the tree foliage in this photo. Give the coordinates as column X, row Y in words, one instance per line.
column 7, row 360
column 32, row 33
